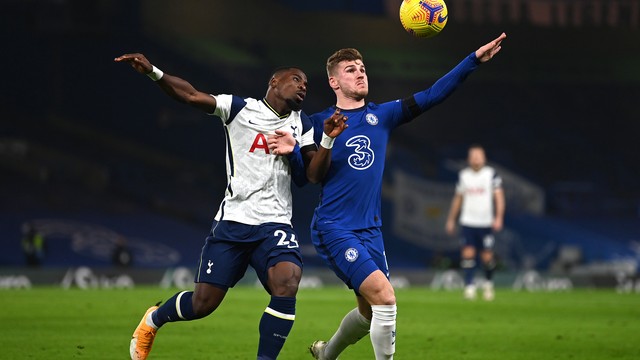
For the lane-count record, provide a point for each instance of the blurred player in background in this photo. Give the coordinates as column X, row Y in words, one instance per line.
column 346, row 227
column 479, row 200
column 253, row 223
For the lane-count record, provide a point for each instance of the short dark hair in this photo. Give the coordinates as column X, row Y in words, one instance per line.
column 281, row 69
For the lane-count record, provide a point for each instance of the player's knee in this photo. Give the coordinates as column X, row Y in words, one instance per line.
column 388, row 299
column 384, row 296
column 468, row 252
column 284, row 286
column 284, row 278
column 489, row 264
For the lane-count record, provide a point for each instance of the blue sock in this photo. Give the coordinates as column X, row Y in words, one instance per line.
column 275, row 325
column 488, row 269
column 178, row 308
column 468, row 268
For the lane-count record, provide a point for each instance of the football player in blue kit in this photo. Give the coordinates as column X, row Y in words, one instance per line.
column 346, row 226
column 253, row 223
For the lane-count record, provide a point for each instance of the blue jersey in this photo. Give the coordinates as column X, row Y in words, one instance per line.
column 351, row 191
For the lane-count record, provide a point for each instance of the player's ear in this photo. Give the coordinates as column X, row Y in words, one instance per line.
column 273, row 82
column 333, row 82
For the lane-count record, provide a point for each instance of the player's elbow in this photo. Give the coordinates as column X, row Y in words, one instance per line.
column 314, row 177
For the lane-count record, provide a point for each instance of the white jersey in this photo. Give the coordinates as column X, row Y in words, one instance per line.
column 477, row 188
column 258, row 183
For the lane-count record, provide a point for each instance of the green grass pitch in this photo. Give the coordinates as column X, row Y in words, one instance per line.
column 51, row 323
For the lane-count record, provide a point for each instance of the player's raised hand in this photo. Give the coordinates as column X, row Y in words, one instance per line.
column 137, row 61
column 486, row 52
column 335, row 124
column 281, row 143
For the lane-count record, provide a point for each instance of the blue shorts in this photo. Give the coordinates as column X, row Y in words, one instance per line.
column 352, row 255
column 478, row 237
column 231, row 247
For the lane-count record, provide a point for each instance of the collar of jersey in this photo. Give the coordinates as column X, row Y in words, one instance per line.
column 356, row 109
column 274, row 111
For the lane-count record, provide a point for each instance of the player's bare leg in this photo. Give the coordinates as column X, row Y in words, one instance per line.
column 377, row 291
column 277, row 319
column 379, row 320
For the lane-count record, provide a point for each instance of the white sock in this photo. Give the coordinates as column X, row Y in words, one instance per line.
column 149, row 321
column 383, row 331
column 353, row 327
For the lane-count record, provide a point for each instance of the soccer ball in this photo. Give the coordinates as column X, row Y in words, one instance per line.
column 423, row 18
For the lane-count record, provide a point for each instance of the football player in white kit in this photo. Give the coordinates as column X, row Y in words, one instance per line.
column 479, row 200
column 253, row 223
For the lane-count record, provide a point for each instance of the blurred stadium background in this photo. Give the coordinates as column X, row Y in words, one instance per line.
column 94, row 155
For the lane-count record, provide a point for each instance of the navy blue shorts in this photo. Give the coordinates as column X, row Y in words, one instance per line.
column 352, row 255
column 480, row 238
column 231, row 247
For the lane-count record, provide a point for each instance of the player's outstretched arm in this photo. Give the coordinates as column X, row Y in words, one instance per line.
column 177, row 88
column 488, row 51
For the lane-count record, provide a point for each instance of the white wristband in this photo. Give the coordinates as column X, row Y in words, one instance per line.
column 326, row 142
column 155, row 74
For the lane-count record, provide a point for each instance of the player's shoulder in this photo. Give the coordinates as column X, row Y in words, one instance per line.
column 466, row 171
column 252, row 102
column 384, row 105
column 489, row 169
column 233, row 100
column 321, row 114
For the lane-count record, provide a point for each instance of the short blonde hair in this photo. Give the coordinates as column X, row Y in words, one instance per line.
column 347, row 54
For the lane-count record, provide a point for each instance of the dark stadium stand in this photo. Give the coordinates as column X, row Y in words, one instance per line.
column 85, row 139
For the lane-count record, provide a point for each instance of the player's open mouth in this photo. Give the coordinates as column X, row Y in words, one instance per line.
column 301, row 96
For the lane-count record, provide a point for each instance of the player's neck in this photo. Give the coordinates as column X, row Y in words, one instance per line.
column 279, row 107
column 345, row 103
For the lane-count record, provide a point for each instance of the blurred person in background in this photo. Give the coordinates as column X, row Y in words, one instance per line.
column 479, row 205
column 121, row 255
column 253, row 223
column 33, row 245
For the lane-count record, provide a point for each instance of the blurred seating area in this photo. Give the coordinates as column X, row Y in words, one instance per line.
column 81, row 133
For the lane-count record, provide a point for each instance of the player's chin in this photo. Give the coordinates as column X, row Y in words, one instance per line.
column 295, row 104
column 362, row 93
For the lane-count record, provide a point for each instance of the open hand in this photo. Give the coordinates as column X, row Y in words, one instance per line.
column 335, row 124
column 488, row 51
column 137, row 61
column 281, row 143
